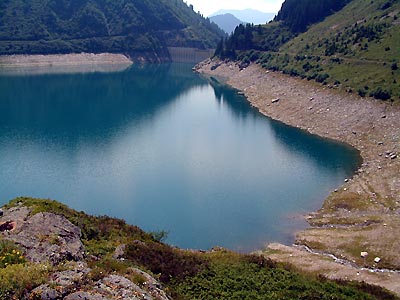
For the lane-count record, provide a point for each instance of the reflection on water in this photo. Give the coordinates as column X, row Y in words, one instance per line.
column 162, row 148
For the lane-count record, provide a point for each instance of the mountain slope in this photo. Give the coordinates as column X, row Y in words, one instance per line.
column 356, row 49
column 251, row 16
column 128, row 26
column 226, row 22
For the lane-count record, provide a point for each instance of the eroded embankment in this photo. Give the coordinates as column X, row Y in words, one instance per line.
column 63, row 63
column 364, row 214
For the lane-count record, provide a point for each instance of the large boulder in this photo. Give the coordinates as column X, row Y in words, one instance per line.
column 44, row 237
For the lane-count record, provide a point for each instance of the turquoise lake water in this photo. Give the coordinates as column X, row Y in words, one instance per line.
column 164, row 149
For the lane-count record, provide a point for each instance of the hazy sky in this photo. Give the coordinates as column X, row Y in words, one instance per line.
column 207, row 7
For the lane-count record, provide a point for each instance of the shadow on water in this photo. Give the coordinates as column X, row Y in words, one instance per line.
column 328, row 154
column 51, row 104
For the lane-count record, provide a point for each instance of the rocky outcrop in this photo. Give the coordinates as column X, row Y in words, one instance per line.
column 74, row 284
column 51, row 238
column 44, row 237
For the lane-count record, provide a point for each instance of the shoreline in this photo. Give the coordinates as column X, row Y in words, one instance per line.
column 72, row 59
column 363, row 214
column 63, row 63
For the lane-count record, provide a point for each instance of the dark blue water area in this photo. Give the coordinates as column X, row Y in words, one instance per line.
column 164, row 149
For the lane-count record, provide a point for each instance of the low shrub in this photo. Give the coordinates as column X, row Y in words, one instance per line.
column 16, row 279
column 10, row 254
column 321, row 77
column 381, row 94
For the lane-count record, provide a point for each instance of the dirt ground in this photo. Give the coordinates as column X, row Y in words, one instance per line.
column 63, row 63
column 62, row 59
column 363, row 215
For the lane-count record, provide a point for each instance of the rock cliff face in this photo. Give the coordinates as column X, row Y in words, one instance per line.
column 52, row 239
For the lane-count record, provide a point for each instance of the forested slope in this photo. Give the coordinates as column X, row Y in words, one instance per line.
column 119, row 26
column 356, row 48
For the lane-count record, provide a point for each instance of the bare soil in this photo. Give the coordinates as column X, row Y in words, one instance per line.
column 63, row 63
column 62, row 59
column 364, row 214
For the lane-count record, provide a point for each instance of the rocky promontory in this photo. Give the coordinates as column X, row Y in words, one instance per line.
column 52, row 241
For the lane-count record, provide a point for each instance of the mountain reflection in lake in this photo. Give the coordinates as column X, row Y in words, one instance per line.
column 164, row 149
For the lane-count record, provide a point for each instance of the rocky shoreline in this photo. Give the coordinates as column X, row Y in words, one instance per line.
column 62, row 59
column 361, row 216
column 63, row 63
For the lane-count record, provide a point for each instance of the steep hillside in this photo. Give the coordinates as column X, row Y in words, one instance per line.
column 122, row 26
column 297, row 15
column 359, row 48
column 356, row 48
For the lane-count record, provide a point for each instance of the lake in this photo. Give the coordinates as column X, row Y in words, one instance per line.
column 164, row 149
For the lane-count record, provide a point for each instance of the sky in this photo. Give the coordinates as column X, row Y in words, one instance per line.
column 208, row 7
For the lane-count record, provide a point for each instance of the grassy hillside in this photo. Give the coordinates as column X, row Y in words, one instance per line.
column 218, row 274
column 128, row 26
column 359, row 48
column 356, row 49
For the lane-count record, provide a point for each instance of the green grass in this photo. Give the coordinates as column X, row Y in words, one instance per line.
column 219, row 274
column 232, row 276
column 356, row 49
column 367, row 43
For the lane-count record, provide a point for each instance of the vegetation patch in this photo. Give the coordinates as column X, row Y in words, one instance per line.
column 355, row 48
column 230, row 276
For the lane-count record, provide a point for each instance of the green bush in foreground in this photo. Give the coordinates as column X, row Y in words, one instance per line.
column 231, row 276
column 10, row 254
column 18, row 278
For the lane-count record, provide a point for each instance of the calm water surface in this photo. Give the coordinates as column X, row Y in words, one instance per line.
column 166, row 150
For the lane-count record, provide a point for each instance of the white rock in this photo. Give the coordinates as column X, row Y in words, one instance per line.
column 377, row 259
column 364, row 254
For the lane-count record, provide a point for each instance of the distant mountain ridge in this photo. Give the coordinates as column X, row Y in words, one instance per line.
column 251, row 16
column 136, row 27
column 226, row 22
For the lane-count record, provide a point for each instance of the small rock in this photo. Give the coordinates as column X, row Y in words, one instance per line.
column 85, row 296
column 119, row 251
column 377, row 259
column 380, row 143
column 393, row 156
column 44, row 292
column 346, row 180
column 312, row 98
column 364, row 254
column 275, row 100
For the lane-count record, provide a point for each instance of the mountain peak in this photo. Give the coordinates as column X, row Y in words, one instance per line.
column 247, row 15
